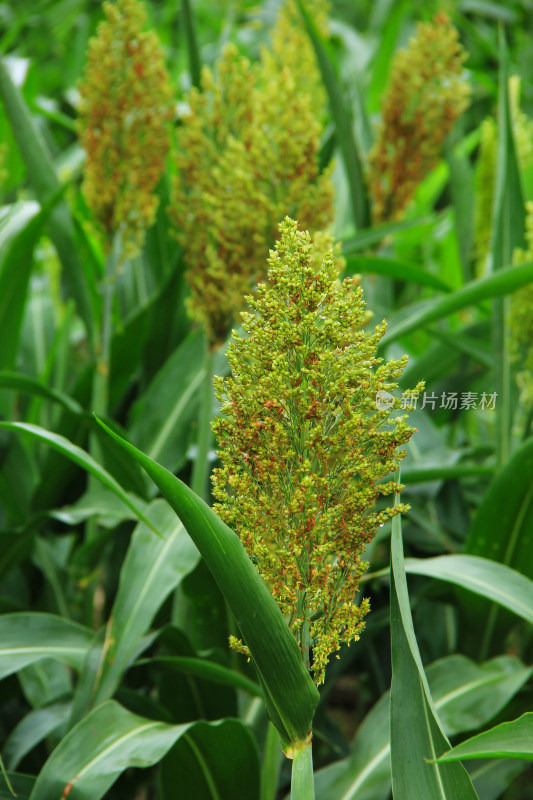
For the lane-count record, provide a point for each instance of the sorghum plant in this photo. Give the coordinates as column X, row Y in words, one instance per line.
column 125, row 105
column 248, row 155
column 303, row 447
column 425, row 96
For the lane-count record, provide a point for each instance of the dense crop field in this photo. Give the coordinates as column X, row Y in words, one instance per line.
column 266, row 400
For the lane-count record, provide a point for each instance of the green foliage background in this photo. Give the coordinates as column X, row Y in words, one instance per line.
column 115, row 672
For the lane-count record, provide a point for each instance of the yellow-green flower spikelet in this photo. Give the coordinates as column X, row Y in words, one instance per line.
column 425, row 96
column 292, row 48
column 247, row 156
column 124, row 110
column 302, row 444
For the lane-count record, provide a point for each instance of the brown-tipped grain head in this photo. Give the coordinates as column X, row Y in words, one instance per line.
column 125, row 107
column 425, row 96
column 304, row 449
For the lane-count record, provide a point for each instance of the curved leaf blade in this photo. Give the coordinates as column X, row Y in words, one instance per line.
column 105, row 743
column 508, row 740
column 291, row 695
column 82, row 459
column 495, row 581
column 27, row 637
column 503, row 282
column 393, row 268
column 153, row 567
column 25, row 383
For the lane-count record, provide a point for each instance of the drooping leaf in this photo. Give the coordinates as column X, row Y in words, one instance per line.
column 506, row 539
column 290, row 694
column 153, row 567
column 495, row 581
column 508, row 740
column 399, row 270
column 27, row 637
column 80, row 457
column 110, row 739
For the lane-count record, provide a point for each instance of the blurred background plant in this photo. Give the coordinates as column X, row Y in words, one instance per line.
column 106, row 627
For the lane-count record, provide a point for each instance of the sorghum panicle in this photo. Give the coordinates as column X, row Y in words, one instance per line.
column 425, row 96
column 303, row 447
column 248, row 155
column 125, row 105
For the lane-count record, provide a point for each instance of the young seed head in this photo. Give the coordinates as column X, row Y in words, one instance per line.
column 124, row 110
column 425, row 96
column 304, row 450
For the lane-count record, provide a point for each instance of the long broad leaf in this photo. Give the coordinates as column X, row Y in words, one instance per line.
column 343, row 123
column 501, row 283
column 28, row 637
column 26, row 384
column 290, row 694
column 45, row 182
column 153, row 567
column 83, row 459
column 508, row 740
column 466, row 696
column 487, row 578
column 399, row 270
column 109, row 740
column 20, row 232
column 508, row 542
column 416, row 731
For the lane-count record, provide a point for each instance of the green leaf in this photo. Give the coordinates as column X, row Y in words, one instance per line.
column 487, row 578
column 466, row 696
column 365, row 239
column 509, row 542
column 153, row 567
column 20, row 230
column 44, row 180
column 26, row 384
column 201, row 668
column 210, row 762
column 508, row 740
column 343, row 122
column 502, row 283
column 28, row 637
column 416, row 730
column 80, row 457
column 163, row 415
column 22, row 785
column 290, row 694
column 32, row 729
column 399, row 270
column 109, row 740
